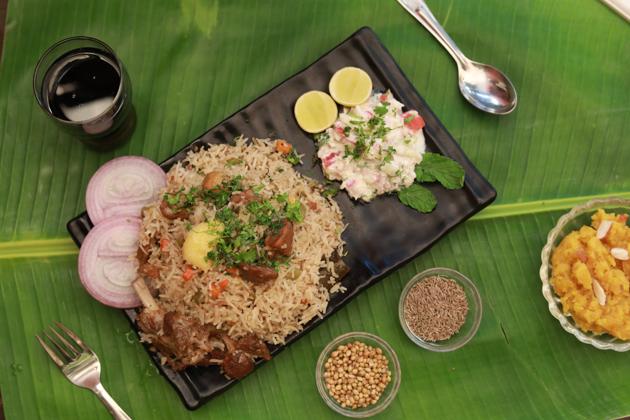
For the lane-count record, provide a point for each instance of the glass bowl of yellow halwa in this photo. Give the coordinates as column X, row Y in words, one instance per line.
column 585, row 286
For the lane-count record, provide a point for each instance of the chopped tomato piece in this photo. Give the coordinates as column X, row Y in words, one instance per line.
column 283, row 147
column 340, row 131
column 164, row 244
column 383, row 97
column 188, row 273
column 215, row 291
column 623, row 218
column 217, row 288
column 414, row 122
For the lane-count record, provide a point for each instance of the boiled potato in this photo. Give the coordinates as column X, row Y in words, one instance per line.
column 200, row 240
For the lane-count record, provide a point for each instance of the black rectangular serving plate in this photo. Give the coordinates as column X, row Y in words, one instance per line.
column 382, row 235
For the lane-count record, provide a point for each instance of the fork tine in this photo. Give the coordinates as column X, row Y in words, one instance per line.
column 73, row 336
column 50, row 352
column 59, row 347
column 69, row 346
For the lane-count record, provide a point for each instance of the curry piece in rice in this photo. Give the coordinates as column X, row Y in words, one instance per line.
column 591, row 272
column 240, row 245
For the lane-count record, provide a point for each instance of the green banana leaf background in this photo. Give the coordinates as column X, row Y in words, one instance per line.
column 194, row 62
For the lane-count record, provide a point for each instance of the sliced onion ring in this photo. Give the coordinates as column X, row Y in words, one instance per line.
column 107, row 273
column 122, row 187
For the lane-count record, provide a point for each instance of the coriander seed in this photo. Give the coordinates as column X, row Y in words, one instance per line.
column 357, row 375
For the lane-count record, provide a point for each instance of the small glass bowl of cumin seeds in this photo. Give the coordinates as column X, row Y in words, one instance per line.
column 440, row 309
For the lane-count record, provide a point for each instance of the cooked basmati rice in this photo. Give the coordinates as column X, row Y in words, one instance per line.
column 274, row 310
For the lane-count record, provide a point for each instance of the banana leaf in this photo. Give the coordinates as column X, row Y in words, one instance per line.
column 194, row 62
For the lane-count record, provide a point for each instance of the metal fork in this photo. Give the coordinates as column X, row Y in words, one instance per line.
column 79, row 364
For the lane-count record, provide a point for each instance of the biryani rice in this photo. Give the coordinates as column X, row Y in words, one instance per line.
column 271, row 311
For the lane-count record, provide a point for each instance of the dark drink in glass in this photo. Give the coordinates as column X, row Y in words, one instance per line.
column 81, row 84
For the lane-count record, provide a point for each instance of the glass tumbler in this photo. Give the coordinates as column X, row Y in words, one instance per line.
column 81, row 84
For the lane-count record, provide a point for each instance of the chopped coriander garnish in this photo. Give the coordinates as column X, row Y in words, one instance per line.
column 238, row 242
column 263, row 213
column 294, row 211
column 182, row 199
column 172, row 199
column 293, row 158
column 322, row 138
column 409, row 118
column 380, row 110
column 374, row 122
column 220, row 196
column 347, row 151
column 389, row 154
column 359, row 147
column 247, row 257
column 330, row 191
column 191, row 197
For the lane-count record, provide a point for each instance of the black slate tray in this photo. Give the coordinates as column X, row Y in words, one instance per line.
column 382, row 235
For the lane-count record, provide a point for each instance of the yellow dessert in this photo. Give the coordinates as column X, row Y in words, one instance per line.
column 591, row 273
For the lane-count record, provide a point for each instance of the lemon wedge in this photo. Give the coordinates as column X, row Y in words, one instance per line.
column 350, row 86
column 315, row 111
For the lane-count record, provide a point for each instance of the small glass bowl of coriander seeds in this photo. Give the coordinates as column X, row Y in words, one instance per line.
column 358, row 374
column 440, row 309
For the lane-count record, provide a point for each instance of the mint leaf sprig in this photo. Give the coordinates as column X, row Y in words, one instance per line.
column 433, row 168
column 418, row 197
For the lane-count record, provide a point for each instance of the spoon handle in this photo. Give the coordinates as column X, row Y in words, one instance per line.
column 421, row 12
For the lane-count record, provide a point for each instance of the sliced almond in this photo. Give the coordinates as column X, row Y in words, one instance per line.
column 620, row 254
column 603, row 229
column 599, row 293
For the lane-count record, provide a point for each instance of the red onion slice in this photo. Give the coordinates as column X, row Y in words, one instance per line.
column 119, row 246
column 122, row 186
column 107, row 266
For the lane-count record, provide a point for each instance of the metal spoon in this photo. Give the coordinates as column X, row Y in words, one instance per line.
column 482, row 85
